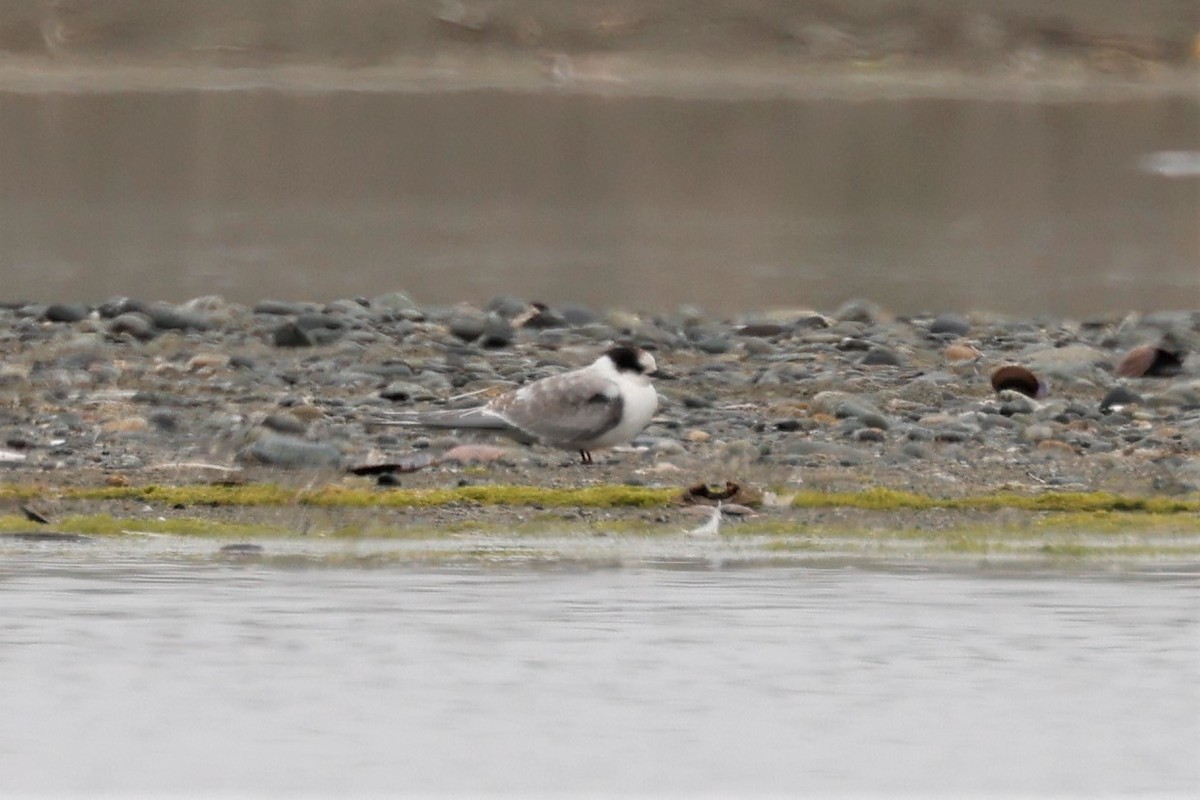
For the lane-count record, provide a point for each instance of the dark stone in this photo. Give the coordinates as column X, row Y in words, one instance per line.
column 289, row 334
column 320, row 321
column 545, row 318
column 881, row 357
column 280, row 308
column 389, row 370
column 497, row 333
column 284, row 423
column 575, row 316
column 170, row 318
column 289, row 452
column 762, row 330
column 696, row 401
column 65, row 312
column 1120, row 396
column 715, row 345
column 405, row 392
column 165, row 419
column 506, row 306
column 467, row 327
column 242, row 362
column 950, row 325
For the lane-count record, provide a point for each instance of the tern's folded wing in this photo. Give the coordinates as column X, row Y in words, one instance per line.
column 563, row 410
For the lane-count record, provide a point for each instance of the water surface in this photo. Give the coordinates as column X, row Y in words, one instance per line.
column 157, row 668
column 636, row 202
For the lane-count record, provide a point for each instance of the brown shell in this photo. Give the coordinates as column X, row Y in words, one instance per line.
column 708, row 494
column 1149, row 361
column 1018, row 379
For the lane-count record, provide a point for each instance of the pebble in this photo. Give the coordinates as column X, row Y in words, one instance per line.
column 168, row 317
column 789, row 389
column 65, row 312
column 137, row 324
column 289, row 334
column 290, row 452
column 950, row 324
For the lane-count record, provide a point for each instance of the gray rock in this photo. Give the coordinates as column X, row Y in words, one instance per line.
column 506, row 306
column 406, row 392
column 956, row 432
column 874, row 420
column 289, row 334
column 172, row 318
column 498, row 332
column 576, row 316
column 284, row 423
column 1039, row 432
column 290, row 452
column 242, row 362
column 281, row 308
column 320, row 321
column 1017, row 403
column 763, row 330
column 135, row 324
column 950, row 325
column 714, row 345
column 1120, row 396
column 759, row 347
column 881, row 357
column 831, row 401
column 914, row 449
column 467, row 327
column 65, row 312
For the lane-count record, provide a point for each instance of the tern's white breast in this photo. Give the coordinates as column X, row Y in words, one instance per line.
column 640, row 403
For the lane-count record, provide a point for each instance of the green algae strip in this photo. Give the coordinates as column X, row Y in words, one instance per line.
column 893, row 500
column 351, row 497
column 608, row 496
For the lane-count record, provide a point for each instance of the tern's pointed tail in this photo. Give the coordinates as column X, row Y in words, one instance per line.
column 467, row 418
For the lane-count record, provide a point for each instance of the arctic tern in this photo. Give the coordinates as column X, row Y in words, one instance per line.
column 601, row 405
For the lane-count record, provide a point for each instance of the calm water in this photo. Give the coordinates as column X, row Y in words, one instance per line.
column 156, row 668
column 637, row 202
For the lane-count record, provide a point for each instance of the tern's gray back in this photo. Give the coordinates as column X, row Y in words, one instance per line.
column 564, row 410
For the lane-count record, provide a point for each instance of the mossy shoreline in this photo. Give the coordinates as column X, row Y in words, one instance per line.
column 603, row 496
column 449, row 524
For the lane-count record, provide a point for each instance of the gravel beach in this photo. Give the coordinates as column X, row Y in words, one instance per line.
column 132, row 392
